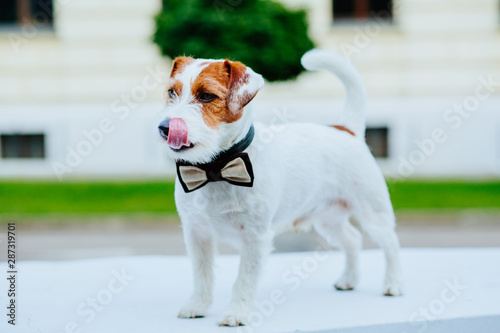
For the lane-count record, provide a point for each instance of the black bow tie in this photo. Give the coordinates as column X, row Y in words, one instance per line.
column 232, row 166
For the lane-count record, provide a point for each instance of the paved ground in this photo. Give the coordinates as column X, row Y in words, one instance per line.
column 130, row 294
column 51, row 239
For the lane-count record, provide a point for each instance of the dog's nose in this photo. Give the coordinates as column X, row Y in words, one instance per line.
column 163, row 128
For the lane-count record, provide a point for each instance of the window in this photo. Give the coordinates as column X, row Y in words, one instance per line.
column 376, row 139
column 362, row 9
column 23, row 145
column 25, row 12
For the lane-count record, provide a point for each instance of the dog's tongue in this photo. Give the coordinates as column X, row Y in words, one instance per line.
column 177, row 133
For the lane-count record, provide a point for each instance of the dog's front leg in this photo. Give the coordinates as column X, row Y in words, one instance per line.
column 200, row 247
column 253, row 253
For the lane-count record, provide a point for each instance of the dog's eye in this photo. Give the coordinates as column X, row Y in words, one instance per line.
column 171, row 93
column 206, row 97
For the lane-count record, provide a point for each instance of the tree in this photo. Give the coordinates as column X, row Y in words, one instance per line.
column 262, row 34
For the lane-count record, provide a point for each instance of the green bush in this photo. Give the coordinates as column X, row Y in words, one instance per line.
column 262, row 34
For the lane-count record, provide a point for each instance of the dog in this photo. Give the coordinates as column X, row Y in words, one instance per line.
column 309, row 175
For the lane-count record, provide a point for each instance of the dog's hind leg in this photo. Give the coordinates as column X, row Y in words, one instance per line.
column 334, row 226
column 380, row 226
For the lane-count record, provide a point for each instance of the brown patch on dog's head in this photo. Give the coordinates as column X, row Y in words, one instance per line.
column 214, row 80
column 179, row 64
column 176, row 86
column 177, row 67
column 224, row 80
column 238, row 77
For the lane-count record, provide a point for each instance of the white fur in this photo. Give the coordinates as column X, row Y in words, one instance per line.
column 309, row 173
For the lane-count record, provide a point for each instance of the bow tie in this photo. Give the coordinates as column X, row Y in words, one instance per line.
column 232, row 166
column 236, row 170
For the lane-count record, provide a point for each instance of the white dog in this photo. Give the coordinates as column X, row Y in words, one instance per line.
column 309, row 175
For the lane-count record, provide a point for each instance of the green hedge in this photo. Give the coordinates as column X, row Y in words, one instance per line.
column 262, row 34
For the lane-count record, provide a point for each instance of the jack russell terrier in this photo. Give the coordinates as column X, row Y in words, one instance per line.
column 309, row 175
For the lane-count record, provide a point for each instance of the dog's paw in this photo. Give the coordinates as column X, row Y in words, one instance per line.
column 191, row 313
column 347, row 281
column 194, row 310
column 343, row 287
column 234, row 319
column 394, row 288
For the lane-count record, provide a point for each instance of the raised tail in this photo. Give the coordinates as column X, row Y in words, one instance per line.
column 353, row 114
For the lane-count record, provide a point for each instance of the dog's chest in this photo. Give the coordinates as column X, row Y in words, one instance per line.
column 221, row 198
column 228, row 209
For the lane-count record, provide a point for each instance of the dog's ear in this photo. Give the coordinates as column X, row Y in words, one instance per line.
column 179, row 64
column 244, row 84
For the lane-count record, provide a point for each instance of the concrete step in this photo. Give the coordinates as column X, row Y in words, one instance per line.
column 447, row 290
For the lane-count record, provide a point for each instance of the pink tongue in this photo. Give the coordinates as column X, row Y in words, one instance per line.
column 177, row 133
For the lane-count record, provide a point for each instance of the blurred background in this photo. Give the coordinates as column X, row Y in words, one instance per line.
column 84, row 173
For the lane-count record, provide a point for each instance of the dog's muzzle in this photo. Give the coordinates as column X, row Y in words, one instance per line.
column 164, row 128
column 175, row 132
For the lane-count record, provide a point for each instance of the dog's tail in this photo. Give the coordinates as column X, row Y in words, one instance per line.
column 353, row 115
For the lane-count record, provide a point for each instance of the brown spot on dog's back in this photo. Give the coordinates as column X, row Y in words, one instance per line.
column 215, row 79
column 179, row 64
column 343, row 128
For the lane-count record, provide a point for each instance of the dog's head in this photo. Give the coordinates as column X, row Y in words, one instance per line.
column 205, row 102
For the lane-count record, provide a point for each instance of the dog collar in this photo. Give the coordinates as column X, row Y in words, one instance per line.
column 231, row 165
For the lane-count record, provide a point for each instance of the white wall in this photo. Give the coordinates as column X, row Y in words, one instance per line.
column 97, row 51
column 100, row 49
column 99, row 62
column 433, row 48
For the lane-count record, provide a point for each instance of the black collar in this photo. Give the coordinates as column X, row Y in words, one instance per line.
column 212, row 171
column 237, row 148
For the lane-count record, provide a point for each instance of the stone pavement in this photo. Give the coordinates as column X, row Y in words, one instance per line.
column 446, row 291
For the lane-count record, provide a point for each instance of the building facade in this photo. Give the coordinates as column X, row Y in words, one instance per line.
column 81, row 87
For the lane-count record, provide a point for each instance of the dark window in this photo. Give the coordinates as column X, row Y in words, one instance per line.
column 23, row 145
column 8, row 12
column 362, row 9
column 25, row 12
column 376, row 139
